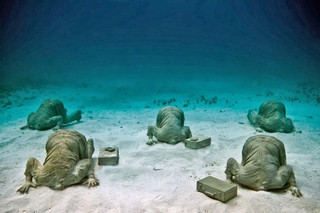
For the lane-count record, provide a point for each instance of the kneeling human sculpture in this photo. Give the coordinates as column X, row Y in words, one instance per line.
column 170, row 126
column 271, row 117
column 68, row 162
column 263, row 166
column 51, row 114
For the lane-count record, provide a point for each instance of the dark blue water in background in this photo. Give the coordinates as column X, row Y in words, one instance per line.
column 47, row 41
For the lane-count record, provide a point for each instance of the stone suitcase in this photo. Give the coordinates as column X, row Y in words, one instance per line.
column 197, row 142
column 108, row 156
column 217, row 189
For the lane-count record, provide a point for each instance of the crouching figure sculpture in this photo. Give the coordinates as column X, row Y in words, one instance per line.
column 271, row 117
column 263, row 166
column 51, row 114
column 170, row 126
column 68, row 162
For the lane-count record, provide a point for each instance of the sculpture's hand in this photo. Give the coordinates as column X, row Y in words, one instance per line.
column 25, row 187
column 91, row 182
column 234, row 178
column 150, row 142
column 295, row 192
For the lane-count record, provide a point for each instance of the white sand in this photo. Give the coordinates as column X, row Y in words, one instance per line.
column 162, row 177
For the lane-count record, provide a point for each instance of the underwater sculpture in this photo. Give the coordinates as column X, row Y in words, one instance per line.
column 271, row 117
column 51, row 114
column 263, row 166
column 68, row 162
column 169, row 127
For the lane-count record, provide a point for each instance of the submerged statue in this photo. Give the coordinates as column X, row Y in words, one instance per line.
column 68, row 162
column 263, row 166
column 271, row 117
column 51, row 114
column 170, row 126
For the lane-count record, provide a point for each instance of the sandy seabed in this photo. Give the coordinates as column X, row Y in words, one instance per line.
column 162, row 177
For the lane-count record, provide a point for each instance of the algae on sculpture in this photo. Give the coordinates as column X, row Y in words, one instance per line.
column 263, row 166
column 68, row 162
column 169, row 127
column 51, row 114
column 271, row 117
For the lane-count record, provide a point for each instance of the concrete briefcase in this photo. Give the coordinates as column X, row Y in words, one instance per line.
column 108, row 156
column 197, row 142
column 217, row 189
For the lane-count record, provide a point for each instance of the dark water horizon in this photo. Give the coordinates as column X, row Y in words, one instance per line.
column 156, row 41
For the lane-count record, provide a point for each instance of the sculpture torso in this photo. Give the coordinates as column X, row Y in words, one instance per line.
column 170, row 126
column 64, row 150
column 68, row 162
column 48, row 109
column 261, row 158
column 271, row 117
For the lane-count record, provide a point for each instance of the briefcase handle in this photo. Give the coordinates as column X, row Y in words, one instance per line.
column 210, row 194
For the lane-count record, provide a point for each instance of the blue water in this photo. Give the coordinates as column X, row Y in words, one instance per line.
column 46, row 41
column 121, row 61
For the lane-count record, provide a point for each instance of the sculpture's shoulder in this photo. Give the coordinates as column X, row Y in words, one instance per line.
column 71, row 134
column 270, row 108
column 168, row 114
column 51, row 107
column 67, row 137
column 50, row 102
column 263, row 139
column 170, row 109
column 265, row 143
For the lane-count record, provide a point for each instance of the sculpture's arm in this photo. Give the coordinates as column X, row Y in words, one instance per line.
column 152, row 131
column 75, row 116
column 284, row 177
column 187, row 132
column 56, row 122
column 232, row 170
column 30, row 118
column 293, row 186
column 252, row 117
column 92, row 180
column 24, row 127
column 288, row 125
column 32, row 167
